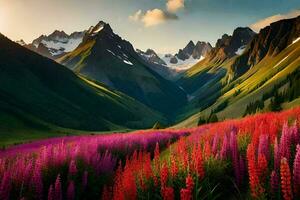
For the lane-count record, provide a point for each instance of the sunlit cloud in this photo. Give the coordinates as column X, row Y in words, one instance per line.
column 174, row 5
column 156, row 16
column 267, row 21
column 152, row 17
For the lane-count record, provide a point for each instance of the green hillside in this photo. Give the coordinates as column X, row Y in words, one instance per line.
column 259, row 83
column 38, row 94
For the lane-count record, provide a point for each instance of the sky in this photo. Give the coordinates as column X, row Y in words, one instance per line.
column 163, row 25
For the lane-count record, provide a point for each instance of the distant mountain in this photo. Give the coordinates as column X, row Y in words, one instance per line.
column 263, row 77
column 105, row 57
column 157, row 64
column 188, row 56
column 56, row 44
column 151, row 56
column 37, row 93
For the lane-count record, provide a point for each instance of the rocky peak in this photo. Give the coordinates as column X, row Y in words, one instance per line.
column 201, row 49
column 58, row 34
column 189, row 48
column 228, row 46
column 21, row 42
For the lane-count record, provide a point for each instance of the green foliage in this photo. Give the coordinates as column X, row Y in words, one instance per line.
column 211, row 119
column 253, row 107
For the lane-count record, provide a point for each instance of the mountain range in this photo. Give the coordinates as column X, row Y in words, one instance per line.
column 95, row 80
column 188, row 56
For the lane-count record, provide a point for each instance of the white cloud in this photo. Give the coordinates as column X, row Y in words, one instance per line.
column 152, row 17
column 136, row 16
column 267, row 21
column 174, row 5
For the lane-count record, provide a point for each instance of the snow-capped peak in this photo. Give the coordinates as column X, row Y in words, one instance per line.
column 58, row 42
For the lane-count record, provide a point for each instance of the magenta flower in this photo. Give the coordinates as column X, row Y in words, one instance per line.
column 71, row 191
column 57, row 189
column 51, row 193
column 296, row 172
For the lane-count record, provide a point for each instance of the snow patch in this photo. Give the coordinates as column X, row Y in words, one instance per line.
column 111, row 52
column 181, row 64
column 240, row 50
column 127, row 62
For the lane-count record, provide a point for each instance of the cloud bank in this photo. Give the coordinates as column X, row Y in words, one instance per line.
column 267, row 21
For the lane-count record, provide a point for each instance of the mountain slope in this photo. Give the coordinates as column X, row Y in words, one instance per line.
column 267, row 71
column 40, row 94
column 105, row 57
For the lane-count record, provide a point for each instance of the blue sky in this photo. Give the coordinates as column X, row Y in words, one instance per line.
column 167, row 26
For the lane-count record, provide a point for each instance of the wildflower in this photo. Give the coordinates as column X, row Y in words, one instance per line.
column 5, row 186
column 168, row 193
column 255, row 186
column 262, row 167
column 51, row 193
column 57, row 189
column 189, row 182
column 285, row 179
column 296, row 172
column 72, row 168
column 71, row 191
column 164, row 175
column 185, row 194
column 274, row 182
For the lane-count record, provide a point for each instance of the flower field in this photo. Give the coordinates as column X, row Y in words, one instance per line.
column 257, row 157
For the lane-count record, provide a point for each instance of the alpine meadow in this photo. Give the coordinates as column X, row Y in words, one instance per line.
column 149, row 100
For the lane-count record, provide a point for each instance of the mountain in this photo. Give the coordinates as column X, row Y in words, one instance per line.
column 157, row 64
column 265, row 76
column 188, row 56
column 56, row 44
column 151, row 56
column 37, row 93
column 105, row 57
column 209, row 70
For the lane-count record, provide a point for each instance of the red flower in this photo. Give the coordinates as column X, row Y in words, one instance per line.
column 256, row 189
column 168, row 193
column 164, row 175
column 189, row 183
column 285, row 180
column 185, row 194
